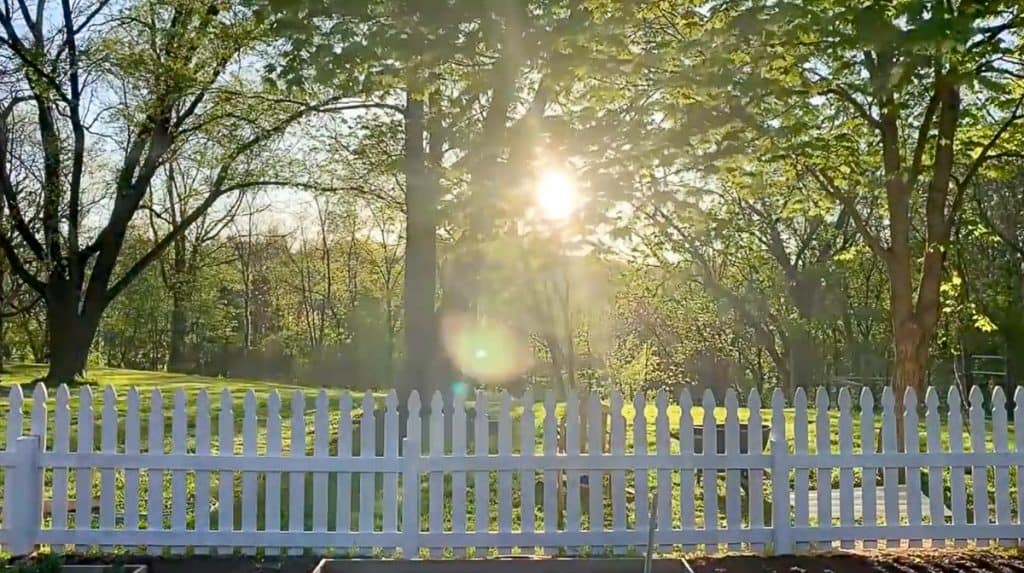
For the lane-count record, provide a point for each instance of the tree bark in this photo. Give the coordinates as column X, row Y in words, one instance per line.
column 71, row 332
column 421, row 327
column 177, row 358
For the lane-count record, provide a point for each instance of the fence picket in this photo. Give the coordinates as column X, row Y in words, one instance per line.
column 595, row 447
column 911, row 445
column 956, row 477
column 733, row 491
column 459, row 523
column 551, row 477
column 481, row 479
column 321, row 443
column 272, row 497
column 1018, row 443
column 664, row 475
column 801, row 481
column 618, row 477
column 709, row 449
column 297, row 480
column 979, row 474
column 226, row 479
column 868, row 489
column 781, row 523
column 249, row 438
column 572, row 477
column 202, row 484
column 83, row 477
column 179, row 445
column 999, row 443
column 755, row 476
column 687, row 477
column 435, row 502
column 823, row 474
column 62, row 444
column 15, row 403
column 411, row 479
column 505, row 477
column 367, row 449
column 343, row 501
column 846, row 506
column 527, row 478
column 936, row 473
column 391, row 441
column 642, row 514
column 513, row 464
column 890, row 475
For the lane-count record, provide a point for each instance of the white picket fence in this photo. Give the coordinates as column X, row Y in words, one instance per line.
column 320, row 480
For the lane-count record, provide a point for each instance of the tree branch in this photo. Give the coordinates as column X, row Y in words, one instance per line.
column 850, row 206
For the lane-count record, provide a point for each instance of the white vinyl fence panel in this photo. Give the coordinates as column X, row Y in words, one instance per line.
column 464, row 476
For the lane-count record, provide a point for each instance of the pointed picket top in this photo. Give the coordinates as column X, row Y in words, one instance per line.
column 550, row 414
column 732, row 402
column 953, row 399
column 39, row 393
column 181, row 401
column 998, row 400
column 685, row 399
column 527, row 401
column 16, row 397
column 709, row 403
column 459, row 407
column 976, row 397
column 109, row 403
column 867, row 400
column 390, row 401
column 436, row 404
column 299, row 403
column 64, row 396
column 661, row 402
column 367, row 405
column 414, row 404
column 931, row 399
column 821, row 399
column 344, row 403
column 778, row 431
column 1018, row 402
column 800, row 399
column 910, row 401
column 202, row 405
column 753, row 400
column 888, row 398
column 615, row 403
column 639, row 405
column 274, row 404
column 227, row 404
column 572, row 406
column 85, row 396
column 323, row 401
column 844, row 401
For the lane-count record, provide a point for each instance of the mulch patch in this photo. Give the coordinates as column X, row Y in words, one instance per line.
column 905, row 561
column 908, row 561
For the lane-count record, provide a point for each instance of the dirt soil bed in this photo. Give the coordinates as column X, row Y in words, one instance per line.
column 906, row 561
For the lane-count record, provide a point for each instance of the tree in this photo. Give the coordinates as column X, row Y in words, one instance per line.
column 890, row 108
column 168, row 68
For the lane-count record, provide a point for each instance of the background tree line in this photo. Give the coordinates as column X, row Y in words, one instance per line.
column 347, row 193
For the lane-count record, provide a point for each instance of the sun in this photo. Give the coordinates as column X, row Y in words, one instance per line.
column 557, row 197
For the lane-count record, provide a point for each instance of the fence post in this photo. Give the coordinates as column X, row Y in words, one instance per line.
column 25, row 498
column 782, row 540
column 410, row 497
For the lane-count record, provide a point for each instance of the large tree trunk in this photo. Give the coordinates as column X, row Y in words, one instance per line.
column 177, row 358
column 71, row 335
column 421, row 326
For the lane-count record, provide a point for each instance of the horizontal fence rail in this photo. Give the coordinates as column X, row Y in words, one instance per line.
column 362, row 475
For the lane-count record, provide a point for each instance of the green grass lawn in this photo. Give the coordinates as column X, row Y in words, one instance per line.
column 192, row 386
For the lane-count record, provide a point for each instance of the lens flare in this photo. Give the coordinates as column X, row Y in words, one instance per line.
column 483, row 350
